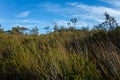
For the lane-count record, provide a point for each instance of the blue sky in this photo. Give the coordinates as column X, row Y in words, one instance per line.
column 42, row 13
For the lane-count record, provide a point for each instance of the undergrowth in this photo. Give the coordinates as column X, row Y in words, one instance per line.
column 80, row 55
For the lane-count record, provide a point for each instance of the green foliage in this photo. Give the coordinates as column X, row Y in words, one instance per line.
column 42, row 57
column 1, row 29
column 34, row 31
column 80, row 55
column 17, row 30
column 109, row 24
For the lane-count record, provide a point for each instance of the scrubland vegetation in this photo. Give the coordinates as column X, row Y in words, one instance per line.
column 65, row 54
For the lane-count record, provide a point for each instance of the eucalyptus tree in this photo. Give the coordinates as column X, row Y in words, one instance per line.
column 109, row 24
column 72, row 23
column 34, row 31
column 18, row 30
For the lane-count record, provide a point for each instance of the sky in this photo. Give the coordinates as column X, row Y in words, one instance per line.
column 43, row 13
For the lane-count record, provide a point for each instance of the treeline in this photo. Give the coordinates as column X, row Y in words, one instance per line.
column 109, row 24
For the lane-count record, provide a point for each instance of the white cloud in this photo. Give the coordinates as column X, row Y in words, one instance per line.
column 115, row 3
column 62, row 22
column 27, row 21
column 95, row 9
column 78, row 24
column 72, row 3
column 56, row 8
column 86, row 14
column 48, row 5
column 94, row 12
column 23, row 25
column 80, row 10
column 83, row 24
column 24, row 14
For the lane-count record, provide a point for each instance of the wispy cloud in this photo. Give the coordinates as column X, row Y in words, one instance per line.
column 62, row 22
column 80, row 9
column 87, row 14
column 95, row 9
column 48, row 5
column 115, row 3
column 78, row 24
column 24, row 14
column 27, row 21
column 94, row 12
column 52, row 7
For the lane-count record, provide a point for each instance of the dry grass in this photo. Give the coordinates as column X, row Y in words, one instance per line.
column 64, row 56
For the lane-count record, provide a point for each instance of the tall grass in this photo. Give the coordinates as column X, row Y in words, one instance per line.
column 36, row 58
column 79, row 55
